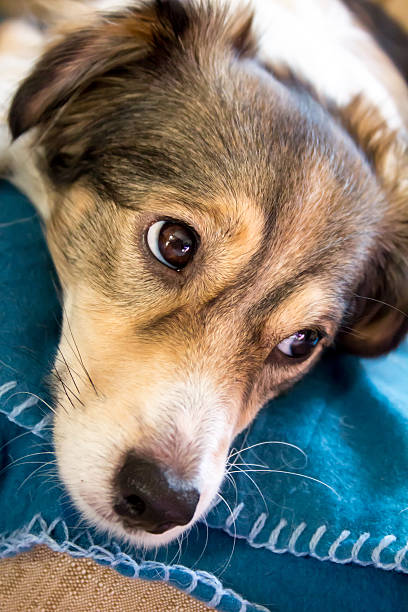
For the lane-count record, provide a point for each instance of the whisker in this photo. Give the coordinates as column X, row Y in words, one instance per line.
column 234, row 484
column 271, row 471
column 33, row 395
column 20, row 459
column 9, row 367
column 15, row 465
column 255, row 484
column 68, row 368
column 25, row 433
column 352, row 332
column 179, row 550
column 205, row 544
column 66, row 395
column 66, row 388
column 371, row 299
column 234, row 537
column 59, row 360
column 78, row 351
column 17, row 221
column 268, row 442
column 52, row 478
column 50, row 373
column 34, row 472
column 260, row 465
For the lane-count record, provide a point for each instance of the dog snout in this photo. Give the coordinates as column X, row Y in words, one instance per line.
column 150, row 498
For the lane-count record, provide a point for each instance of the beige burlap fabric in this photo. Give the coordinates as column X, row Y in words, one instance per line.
column 44, row 581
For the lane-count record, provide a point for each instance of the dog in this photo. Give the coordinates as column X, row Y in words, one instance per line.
column 224, row 190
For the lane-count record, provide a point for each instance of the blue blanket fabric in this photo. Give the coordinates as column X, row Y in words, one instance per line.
column 338, row 494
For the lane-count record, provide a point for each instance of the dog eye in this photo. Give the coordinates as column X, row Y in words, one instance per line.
column 300, row 344
column 172, row 243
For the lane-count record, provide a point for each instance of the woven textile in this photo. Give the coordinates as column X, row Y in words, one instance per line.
column 53, row 582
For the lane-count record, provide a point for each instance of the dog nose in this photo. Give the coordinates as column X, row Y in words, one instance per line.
column 150, row 499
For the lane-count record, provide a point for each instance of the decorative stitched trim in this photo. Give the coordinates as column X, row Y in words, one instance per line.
column 8, row 386
column 17, row 413
column 40, row 429
column 271, row 543
column 198, row 585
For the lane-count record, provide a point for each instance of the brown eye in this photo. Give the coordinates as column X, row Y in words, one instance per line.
column 172, row 243
column 301, row 344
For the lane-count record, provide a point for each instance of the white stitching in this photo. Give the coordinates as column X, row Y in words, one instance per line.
column 36, row 429
column 294, row 538
column 215, row 600
column 45, row 421
column 7, row 387
column 23, row 540
column 257, row 526
column 400, row 556
column 332, row 550
column 273, row 538
column 386, row 541
column 17, row 410
column 315, row 539
column 193, row 584
column 234, row 515
column 358, row 545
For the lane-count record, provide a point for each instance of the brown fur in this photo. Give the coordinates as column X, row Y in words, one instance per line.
column 300, row 207
column 379, row 313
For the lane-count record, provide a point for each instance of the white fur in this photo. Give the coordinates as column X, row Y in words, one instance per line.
column 20, row 46
column 322, row 42
column 192, row 406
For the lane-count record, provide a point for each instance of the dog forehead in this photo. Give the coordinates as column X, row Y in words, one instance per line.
column 238, row 133
column 196, row 127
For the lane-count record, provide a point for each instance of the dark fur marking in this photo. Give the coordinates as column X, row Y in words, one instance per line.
column 173, row 12
column 389, row 34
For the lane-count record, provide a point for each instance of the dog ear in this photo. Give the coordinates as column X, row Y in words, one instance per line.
column 119, row 39
column 83, row 55
column 378, row 320
column 378, row 316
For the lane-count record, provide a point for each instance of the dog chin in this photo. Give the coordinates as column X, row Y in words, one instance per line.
column 111, row 525
column 140, row 538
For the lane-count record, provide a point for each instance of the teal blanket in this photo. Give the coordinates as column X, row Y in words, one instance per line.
column 322, row 474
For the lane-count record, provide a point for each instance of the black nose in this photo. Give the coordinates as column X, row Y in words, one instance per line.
column 151, row 499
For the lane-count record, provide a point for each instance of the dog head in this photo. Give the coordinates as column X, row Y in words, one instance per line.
column 214, row 226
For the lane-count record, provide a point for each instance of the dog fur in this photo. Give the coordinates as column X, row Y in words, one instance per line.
column 277, row 132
